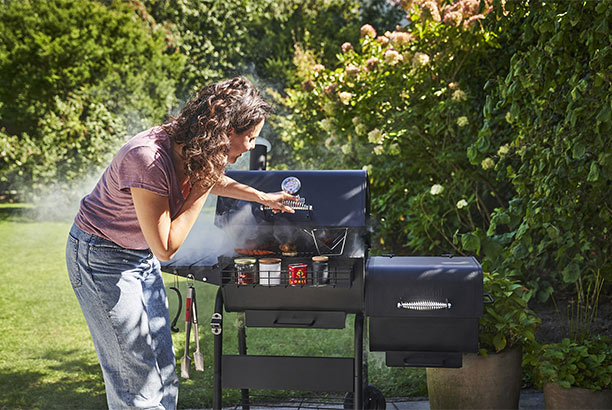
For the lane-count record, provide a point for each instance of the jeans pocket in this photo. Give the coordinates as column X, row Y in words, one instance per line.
column 72, row 261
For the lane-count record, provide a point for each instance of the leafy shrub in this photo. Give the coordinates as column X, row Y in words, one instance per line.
column 483, row 135
column 507, row 322
column 225, row 38
column 547, row 130
column 73, row 76
column 571, row 364
column 405, row 106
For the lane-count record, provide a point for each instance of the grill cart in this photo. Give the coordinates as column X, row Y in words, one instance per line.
column 310, row 269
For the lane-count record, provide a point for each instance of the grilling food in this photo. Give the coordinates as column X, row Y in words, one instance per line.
column 253, row 252
column 288, row 247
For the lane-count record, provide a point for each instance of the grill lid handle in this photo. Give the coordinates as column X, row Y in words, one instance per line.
column 424, row 305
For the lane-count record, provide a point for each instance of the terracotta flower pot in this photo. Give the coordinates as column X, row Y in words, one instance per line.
column 557, row 397
column 493, row 382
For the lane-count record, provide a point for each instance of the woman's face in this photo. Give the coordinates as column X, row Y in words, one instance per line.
column 241, row 143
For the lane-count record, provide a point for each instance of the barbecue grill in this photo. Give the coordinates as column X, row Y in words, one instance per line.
column 423, row 311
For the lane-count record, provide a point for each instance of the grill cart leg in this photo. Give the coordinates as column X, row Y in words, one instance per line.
column 358, row 384
column 216, row 325
column 242, row 350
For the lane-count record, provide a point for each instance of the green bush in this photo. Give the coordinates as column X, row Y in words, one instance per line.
column 481, row 135
column 405, row 106
column 73, row 76
column 571, row 364
column 547, row 130
column 507, row 322
column 255, row 37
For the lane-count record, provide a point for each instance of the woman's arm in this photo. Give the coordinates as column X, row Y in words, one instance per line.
column 165, row 236
column 230, row 188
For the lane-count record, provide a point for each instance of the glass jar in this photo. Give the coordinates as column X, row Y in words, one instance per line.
column 270, row 271
column 246, row 273
column 320, row 270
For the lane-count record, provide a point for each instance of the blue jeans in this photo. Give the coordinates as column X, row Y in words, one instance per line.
column 123, row 299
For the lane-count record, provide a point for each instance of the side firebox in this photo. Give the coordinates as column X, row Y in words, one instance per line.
column 423, row 311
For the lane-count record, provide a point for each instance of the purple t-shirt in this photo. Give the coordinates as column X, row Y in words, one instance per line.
column 145, row 161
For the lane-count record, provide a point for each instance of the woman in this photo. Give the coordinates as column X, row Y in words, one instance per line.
column 140, row 212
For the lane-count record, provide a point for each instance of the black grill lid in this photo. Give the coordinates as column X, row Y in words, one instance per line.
column 337, row 198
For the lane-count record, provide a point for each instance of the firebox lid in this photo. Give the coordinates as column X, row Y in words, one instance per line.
column 423, row 286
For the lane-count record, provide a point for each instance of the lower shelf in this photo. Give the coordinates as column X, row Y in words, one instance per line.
column 328, row 374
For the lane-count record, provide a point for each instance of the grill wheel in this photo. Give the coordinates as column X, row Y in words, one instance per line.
column 373, row 399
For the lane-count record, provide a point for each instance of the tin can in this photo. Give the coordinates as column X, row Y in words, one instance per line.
column 269, row 271
column 298, row 275
column 320, row 270
column 246, row 273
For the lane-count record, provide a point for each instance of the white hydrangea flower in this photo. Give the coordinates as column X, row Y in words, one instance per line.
column 503, row 150
column 375, row 136
column 459, row 95
column 420, row 59
column 394, row 149
column 379, row 149
column 462, row 204
column 392, row 57
column 327, row 124
column 462, row 121
column 487, row 163
column 346, row 149
column 318, row 68
column 356, row 120
column 345, row 97
column 361, row 129
column 352, row 69
column 436, row 189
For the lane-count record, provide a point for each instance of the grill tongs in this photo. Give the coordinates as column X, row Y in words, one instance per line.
column 191, row 317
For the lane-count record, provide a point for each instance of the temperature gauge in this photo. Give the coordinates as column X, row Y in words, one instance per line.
column 291, row 185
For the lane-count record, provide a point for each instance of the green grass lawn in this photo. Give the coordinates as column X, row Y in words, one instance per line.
column 47, row 359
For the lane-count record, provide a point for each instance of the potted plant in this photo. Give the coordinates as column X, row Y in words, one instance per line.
column 492, row 377
column 576, row 373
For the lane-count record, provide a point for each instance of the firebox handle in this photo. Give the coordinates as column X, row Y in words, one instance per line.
column 307, row 324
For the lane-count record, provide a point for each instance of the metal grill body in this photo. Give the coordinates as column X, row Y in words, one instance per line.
column 413, row 304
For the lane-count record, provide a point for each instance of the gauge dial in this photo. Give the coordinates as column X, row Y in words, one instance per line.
column 291, row 185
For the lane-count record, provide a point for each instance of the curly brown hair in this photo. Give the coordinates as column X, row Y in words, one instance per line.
column 204, row 125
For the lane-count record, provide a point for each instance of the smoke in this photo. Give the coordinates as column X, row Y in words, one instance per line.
column 60, row 201
column 205, row 241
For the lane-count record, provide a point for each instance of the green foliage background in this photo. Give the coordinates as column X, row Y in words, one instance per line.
column 487, row 136
column 75, row 76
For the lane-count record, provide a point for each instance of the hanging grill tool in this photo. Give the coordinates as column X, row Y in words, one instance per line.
column 191, row 318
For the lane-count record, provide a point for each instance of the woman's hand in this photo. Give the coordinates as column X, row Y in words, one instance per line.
column 275, row 201
column 230, row 188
